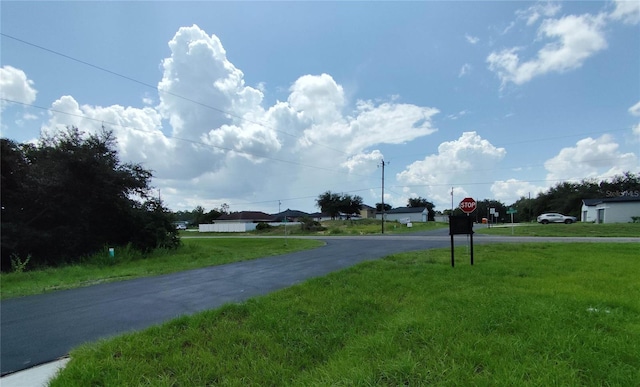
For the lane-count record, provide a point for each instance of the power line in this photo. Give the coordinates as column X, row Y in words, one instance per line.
column 219, row 110
column 182, row 139
column 288, row 161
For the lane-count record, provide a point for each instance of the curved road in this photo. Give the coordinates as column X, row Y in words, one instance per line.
column 42, row 328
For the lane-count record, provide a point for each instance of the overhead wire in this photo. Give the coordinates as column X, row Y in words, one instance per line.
column 183, row 139
column 458, row 184
column 244, row 119
column 114, row 73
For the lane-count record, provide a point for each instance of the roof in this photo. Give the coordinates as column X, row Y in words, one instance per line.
column 247, row 216
column 405, row 210
column 290, row 214
column 617, row 199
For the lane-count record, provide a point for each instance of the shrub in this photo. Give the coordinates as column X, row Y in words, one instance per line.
column 263, row 226
column 308, row 224
column 17, row 264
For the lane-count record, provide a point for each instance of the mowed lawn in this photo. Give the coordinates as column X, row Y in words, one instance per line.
column 531, row 314
column 128, row 264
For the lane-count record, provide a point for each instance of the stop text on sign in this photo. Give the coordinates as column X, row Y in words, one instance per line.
column 467, row 205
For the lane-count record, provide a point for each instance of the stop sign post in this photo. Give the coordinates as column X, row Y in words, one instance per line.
column 462, row 224
column 467, row 205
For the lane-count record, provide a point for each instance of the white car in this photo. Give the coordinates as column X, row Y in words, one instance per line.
column 556, row 218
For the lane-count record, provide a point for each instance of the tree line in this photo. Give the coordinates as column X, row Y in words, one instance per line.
column 69, row 196
column 200, row 216
column 565, row 198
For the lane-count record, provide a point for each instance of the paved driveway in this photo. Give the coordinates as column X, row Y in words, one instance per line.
column 42, row 328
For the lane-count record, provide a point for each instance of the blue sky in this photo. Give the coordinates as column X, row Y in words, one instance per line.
column 267, row 104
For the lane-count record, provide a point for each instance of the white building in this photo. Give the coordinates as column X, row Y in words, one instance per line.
column 622, row 209
column 405, row 215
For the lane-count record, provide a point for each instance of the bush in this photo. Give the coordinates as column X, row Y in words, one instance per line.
column 68, row 196
column 263, row 226
column 308, row 224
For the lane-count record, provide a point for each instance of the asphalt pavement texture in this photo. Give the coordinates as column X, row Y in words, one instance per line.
column 39, row 329
column 42, row 328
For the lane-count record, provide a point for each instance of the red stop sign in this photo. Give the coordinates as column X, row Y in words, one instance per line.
column 467, row 205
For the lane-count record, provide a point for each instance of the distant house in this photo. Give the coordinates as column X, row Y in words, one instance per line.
column 245, row 217
column 405, row 214
column 367, row 212
column 320, row 216
column 290, row 216
column 621, row 209
column 242, row 221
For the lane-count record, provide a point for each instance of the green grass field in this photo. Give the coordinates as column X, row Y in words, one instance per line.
column 564, row 230
column 531, row 314
column 193, row 254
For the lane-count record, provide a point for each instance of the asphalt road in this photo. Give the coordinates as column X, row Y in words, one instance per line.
column 39, row 329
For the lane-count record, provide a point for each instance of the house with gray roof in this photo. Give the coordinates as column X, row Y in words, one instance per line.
column 618, row 209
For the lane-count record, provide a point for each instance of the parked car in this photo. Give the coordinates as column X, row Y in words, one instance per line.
column 556, row 218
column 180, row 226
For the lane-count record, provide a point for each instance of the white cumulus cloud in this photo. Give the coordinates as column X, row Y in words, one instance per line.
column 509, row 191
column 590, row 158
column 15, row 86
column 535, row 12
column 211, row 140
column 572, row 40
column 635, row 109
column 628, row 11
column 364, row 162
column 462, row 163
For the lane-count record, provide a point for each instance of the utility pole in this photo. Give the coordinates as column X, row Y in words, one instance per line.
column 451, row 201
column 382, row 164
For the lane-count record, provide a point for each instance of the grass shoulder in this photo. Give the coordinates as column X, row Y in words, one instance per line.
column 531, row 314
column 127, row 264
column 562, row 230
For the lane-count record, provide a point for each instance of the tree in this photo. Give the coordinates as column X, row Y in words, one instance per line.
column 566, row 197
column 420, row 202
column 524, row 208
column 329, row 203
column 387, row 207
column 350, row 205
column 334, row 204
column 483, row 210
column 197, row 215
column 74, row 197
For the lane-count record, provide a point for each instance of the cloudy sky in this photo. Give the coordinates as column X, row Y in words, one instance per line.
column 263, row 105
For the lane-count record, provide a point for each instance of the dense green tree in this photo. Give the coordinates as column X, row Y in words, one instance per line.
column 70, row 196
column 621, row 185
column 350, row 205
column 423, row 203
column 329, row 203
column 387, row 207
column 333, row 204
column 483, row 210
column 566, row 197
column 524, row 210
